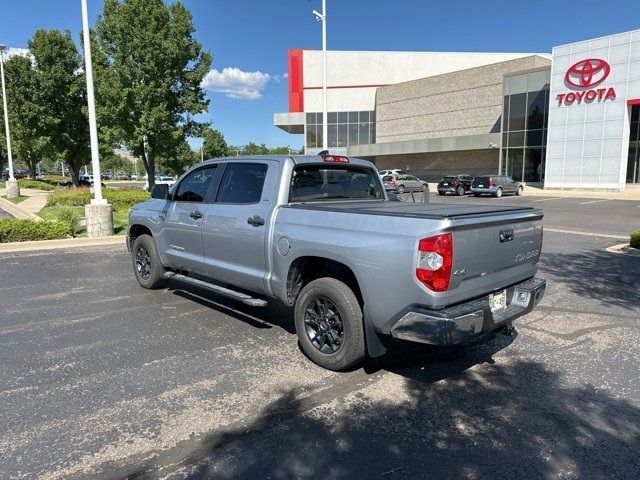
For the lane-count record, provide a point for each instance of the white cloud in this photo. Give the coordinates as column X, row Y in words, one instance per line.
column 17, row 52
column 237, row 84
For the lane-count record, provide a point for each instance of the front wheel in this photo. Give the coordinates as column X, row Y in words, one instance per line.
column 519, row 191
column 401, row 189
column 424, row 187
column 146, row 263
column 498, row 192
column 329, row 324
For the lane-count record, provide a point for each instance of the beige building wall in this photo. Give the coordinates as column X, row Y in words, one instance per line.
column 433, row 166
column 466, row 102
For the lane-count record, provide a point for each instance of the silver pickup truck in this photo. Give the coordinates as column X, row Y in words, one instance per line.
column 319, row 234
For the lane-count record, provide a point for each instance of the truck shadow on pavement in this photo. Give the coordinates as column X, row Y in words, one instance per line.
column 263, row 317
column 610, row 278
column 451, row 416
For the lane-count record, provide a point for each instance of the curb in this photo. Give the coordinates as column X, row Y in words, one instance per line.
column 17, row 211
column 624, row 249
column 61, row 244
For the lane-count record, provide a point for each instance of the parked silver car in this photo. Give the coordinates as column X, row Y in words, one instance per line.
column 404, row 183
column 496, row 185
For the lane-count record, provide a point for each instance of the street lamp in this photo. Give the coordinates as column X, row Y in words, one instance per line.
column 322, row 17
column 13, row 190
column 99, row 214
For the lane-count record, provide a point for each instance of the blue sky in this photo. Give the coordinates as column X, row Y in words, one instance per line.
column 253, row 37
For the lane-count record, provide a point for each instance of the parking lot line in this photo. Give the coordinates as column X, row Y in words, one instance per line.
column 547, row 199
column 589, row 234
column 593, row 201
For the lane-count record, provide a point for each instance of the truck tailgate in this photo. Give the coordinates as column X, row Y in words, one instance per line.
column 493, row 250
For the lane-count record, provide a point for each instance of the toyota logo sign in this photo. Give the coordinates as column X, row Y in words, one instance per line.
column 587, row 73
column 582, row 76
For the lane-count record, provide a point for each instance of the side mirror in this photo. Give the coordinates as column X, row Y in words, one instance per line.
column 160, row 191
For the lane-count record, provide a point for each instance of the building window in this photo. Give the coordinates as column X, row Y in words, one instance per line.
column 524, row 135
column 344, row 129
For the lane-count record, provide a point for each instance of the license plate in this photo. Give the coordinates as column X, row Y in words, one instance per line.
column 480, row 185
column 498, row 301
column 445, row 184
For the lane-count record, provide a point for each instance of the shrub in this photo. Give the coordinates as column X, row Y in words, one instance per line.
column 70, row 216
column 634, row 239
column 35, row 184
column 78, row 197
column 18, row 230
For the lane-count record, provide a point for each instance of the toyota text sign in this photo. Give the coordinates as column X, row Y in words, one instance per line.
column 582, row 77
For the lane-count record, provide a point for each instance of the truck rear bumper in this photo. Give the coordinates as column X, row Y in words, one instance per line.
column 464, row 321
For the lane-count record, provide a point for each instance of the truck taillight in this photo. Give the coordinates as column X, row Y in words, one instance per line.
column 435, row 259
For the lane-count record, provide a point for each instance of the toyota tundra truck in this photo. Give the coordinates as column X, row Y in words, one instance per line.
column 319, row 234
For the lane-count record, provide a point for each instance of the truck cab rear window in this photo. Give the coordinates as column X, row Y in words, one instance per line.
column 335, row 182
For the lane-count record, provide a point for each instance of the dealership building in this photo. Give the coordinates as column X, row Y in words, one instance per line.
column 569, row 119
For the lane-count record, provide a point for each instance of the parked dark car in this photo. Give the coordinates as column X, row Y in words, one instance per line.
column 458, row 184
column 496, row 185
column 17, row 174
column 81, row 183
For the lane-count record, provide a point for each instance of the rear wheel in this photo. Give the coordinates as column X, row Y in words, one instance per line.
column 329, row 324
column 476, row 194
column 460, row 190
column 146, row 263
column 440, row 193
column 498, row 193
column 519, row 190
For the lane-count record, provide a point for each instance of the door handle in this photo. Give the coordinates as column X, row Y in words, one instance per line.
column 256, row 221
column 196, row 214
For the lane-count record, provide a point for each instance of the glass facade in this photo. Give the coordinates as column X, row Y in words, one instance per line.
column 633, row 163
column 524, row 126
column 344, row 129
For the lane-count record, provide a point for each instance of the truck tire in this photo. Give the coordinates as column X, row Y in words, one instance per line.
column 329, row 324
column 146, row 263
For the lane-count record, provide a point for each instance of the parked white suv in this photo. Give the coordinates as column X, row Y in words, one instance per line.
column 160, row 180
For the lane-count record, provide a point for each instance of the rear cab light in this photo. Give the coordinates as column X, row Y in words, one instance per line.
column 335, row 159
column 435, row 261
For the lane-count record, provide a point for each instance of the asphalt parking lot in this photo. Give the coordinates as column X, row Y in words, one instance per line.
column 100, row 378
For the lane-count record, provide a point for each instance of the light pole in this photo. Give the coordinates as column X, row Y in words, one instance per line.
column 322, row 17
column 13, row 189
column 99, row 214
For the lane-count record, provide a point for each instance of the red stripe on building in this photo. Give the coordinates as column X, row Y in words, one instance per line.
column 296, row 91
column 635, row 101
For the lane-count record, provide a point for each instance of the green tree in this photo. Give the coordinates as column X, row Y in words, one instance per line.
column 214, row 144
column 30, row 142
column 254, row 149
column 149, row 70
column 62, row 97
column 179, row 159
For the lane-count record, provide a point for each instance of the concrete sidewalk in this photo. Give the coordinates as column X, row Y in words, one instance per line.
column 29, row 207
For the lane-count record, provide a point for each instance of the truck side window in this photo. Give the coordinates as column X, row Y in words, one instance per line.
column 194, row 187
column 242, row 183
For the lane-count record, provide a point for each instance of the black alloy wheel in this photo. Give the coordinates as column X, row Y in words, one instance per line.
column 143, row 262
column 323, row 324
